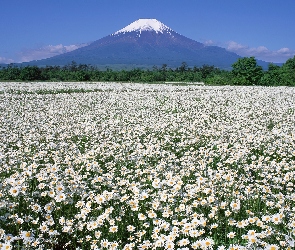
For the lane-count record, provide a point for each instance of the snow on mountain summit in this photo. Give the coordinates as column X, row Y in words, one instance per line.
column 145, row 25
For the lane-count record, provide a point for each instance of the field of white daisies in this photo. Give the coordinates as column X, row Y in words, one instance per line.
column 138, row 166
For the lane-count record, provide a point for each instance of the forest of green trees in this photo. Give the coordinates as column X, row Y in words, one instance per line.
column 245, row 71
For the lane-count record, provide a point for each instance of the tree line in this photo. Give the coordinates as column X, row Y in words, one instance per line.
column 245, row 71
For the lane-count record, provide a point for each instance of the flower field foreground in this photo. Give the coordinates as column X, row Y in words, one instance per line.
column 137, row 166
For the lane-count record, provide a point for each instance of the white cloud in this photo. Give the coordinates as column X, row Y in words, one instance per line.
column 284, row 50
column 261, row 52
column 209, row 42
column 47, row 51
column 5, row 60
column 233, row 46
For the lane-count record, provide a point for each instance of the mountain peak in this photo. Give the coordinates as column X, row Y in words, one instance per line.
column 145, row 25
column 145, row 42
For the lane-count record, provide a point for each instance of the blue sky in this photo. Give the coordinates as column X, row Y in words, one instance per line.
column 35, row 29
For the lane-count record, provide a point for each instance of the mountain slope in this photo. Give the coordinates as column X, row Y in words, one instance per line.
column 145, row 42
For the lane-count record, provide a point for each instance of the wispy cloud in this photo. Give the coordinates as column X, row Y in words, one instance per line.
column 261, row 52
column 5, row 60
column 209, row 42
column 47, row 51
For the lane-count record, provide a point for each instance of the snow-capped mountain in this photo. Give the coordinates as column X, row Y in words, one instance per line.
column 145, row 42
column 145, row 25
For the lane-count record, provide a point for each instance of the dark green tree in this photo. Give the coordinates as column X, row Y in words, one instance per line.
column 11, row 73
column 288, row 72
column 246, row 71
column 183, row 67
column 207, row 70
column 30, row 73
column 164, row 67
column 273, row 76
